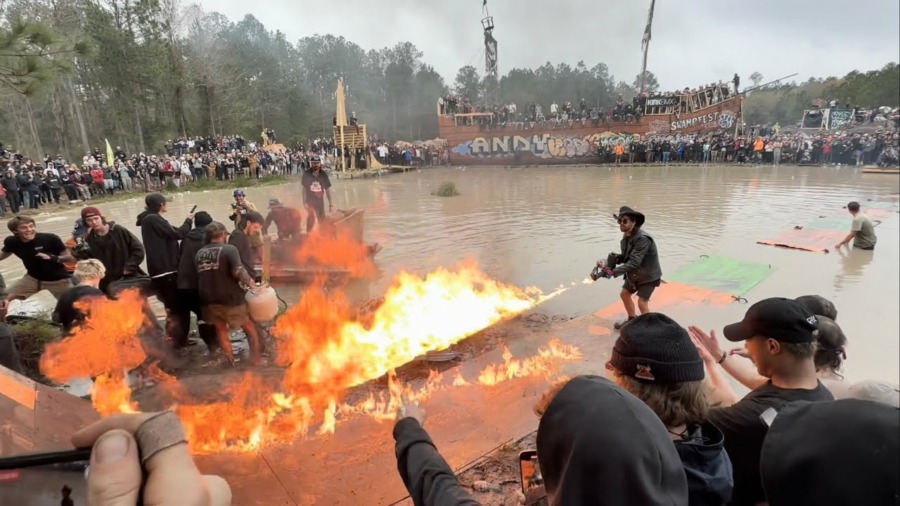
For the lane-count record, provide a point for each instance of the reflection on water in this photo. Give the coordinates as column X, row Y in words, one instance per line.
column 546, row 226
column 853, row 265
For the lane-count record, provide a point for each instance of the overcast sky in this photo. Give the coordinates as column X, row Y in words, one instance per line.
column 694, row 42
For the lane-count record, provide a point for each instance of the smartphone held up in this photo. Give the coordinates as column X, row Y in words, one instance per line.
column 531, row 479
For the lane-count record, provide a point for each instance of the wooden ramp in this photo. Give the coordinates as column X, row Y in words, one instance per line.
column 37, row 417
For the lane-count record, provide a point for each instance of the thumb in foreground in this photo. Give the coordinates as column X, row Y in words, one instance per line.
column 114, row 478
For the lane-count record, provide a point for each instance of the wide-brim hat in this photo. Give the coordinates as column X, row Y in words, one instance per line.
column 627, row 211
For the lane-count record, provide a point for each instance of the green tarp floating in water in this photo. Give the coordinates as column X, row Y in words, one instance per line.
column 726, row 275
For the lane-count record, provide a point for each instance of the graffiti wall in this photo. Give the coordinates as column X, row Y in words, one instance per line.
column 542, row 146
column 524, row 144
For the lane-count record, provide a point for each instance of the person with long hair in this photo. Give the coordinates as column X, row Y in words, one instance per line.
column 655, row 360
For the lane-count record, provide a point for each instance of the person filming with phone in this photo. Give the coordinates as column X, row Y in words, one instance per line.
column 597, row 444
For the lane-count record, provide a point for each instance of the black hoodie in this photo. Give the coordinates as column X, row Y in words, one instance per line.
column 597, row 444
column 706, row 466
column 187, row 269
column 161, row 242
column 119, row 250
column 426, row 474
column 840, row 453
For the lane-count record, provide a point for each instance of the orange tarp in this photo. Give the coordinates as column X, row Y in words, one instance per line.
column 673, row 294
column 808, row 239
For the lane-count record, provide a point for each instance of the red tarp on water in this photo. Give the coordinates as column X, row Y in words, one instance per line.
column 808, row 239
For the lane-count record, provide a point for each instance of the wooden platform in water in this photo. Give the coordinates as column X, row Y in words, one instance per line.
column 881, row 170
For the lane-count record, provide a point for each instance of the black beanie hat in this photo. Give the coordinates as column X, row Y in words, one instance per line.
column 653, row 348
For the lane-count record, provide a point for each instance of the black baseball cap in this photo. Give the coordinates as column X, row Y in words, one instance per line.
column 777, row 318
column 156, row 200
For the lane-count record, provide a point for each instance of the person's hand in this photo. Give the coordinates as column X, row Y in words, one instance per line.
column 740, row 352
column 706, row 342
column 115, row 477
column 608, row 272
column 43, row 256
column 411, row 410
column 601, row 263
column 190, row 216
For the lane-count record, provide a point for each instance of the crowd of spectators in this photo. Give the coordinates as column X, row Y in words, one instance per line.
column 564, row 114
column 666, row 409
column 762, row 145
column 26, row 183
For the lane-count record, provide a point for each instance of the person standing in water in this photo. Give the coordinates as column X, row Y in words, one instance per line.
column 638, row 263
column 862, row 232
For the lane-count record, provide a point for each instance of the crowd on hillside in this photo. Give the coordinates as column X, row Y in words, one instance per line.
column 762, row 145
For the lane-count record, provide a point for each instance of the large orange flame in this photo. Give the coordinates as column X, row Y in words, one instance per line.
column 326, row 350
column 336, row 247
column 105, row 346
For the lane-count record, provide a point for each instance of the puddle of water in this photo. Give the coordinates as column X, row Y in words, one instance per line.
column 546, row 226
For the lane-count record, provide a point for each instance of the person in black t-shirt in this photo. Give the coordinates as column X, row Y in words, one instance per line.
column 316, row 186
column 89, row 273
column 43, row 255
column 219, row 275
column 780, row 337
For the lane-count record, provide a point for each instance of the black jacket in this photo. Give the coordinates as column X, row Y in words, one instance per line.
column 239, row 240
column 840, row 453
column 11, row 184
column 187, row 269
column 597, row 444
column 707, row 466
column 119, row 250
column 426, row 474
column 639, row 261
column 161, row 242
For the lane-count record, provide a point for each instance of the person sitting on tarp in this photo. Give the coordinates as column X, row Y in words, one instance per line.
column 287, row 220
column 638, row 262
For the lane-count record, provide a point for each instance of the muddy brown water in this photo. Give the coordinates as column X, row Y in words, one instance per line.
column 545, row 226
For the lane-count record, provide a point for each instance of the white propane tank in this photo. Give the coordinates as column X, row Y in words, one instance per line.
column 262, row 304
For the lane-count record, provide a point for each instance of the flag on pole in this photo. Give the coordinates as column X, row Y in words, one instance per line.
column 109, row 154
column 646, row 39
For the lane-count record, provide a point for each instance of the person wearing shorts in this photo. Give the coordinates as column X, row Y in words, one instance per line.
column 219, row 277
column 316, row 186
column 44, row 257
column 638, row 263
